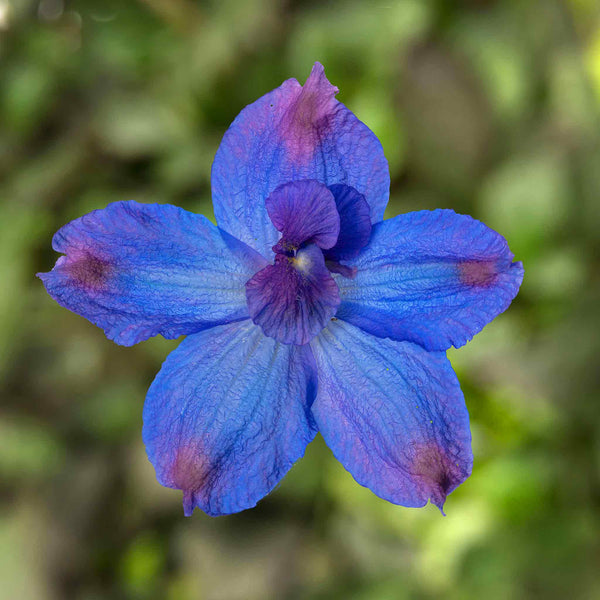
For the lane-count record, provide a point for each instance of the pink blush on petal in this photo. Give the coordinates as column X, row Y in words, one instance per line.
column 87, row 270
column 437, row 472
column 189, row 473
column 309, row 117
column 478, row 273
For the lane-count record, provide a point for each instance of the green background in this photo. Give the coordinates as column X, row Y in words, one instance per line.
column 487, row 107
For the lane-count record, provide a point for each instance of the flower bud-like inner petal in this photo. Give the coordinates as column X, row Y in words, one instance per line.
column 305, row 212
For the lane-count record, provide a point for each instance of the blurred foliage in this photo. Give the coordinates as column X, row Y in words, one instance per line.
column 487, row 107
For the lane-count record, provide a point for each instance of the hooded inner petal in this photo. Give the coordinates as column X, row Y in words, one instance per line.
column 355, row 223
column 304, row 212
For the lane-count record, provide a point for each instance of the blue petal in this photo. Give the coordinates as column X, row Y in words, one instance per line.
column 138, row 270
column 393, row 414
column 295, row 298
column 435, row 278
column 228, row 415
column 293, row 132
column 305, row 212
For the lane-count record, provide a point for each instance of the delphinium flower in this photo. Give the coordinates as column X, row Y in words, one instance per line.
column 304, row 311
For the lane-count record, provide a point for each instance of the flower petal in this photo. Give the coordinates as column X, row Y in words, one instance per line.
column 393, row 414
column 355, row 223
column 305, row 212
column 138, row 270
column 228, row 415
column 435, row 278
column 293, row 132
column 293, row 299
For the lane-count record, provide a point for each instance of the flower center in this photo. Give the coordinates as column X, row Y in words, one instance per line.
column 293, row 299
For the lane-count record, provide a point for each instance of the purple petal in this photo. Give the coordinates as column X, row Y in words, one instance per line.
column 139, row 270
column 293, row 132
column 393, row 415
column 228, row 415
column 305, row 212
column 355, row 223
column 430, row 277
column 293, row 299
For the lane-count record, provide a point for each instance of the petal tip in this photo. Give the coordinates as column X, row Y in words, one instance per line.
column 309, row 117
column 440, row 506
column 438, row 473
column 189, row 472
column 318, row 78
column 519, row 268
column 83, row 269
column 189, row 503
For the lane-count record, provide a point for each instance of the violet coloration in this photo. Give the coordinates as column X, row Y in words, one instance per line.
column 304, row 311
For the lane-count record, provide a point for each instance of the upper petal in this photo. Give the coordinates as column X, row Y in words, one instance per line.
column 228, row 415
column 393, row 415
column 293, row 132
column 431, row 277
column 138, row 270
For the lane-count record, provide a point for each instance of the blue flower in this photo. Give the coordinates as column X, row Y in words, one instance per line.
column 304, row 311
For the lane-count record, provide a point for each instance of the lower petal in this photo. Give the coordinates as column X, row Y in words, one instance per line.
column 393, row 415
column 295, row 298
column 228, row 415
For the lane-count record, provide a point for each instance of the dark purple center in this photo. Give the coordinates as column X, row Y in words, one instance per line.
column 294, row 298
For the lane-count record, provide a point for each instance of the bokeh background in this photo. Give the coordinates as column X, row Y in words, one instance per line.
column 487, row 107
